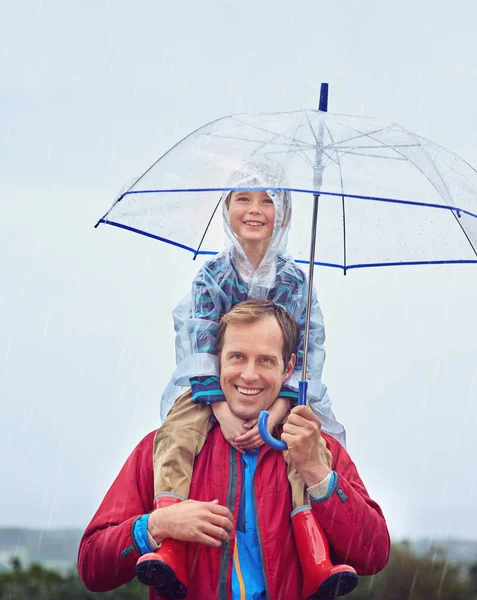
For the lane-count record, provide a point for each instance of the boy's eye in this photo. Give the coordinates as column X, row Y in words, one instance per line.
column 242, row 199
column 267, row 201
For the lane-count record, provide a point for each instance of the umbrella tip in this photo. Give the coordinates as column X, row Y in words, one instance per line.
column 323, row 106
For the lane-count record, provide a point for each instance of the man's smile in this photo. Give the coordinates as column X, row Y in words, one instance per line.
column 248, row 391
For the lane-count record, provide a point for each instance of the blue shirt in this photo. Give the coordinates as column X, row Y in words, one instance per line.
column 248, row 582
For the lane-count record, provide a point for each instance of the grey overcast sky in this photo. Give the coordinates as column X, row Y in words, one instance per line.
column 91, row 94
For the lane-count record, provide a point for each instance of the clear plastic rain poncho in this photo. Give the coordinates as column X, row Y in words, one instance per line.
column 229, row 279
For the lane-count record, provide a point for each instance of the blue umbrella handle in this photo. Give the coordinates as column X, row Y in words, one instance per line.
column 303, row 385
column 266, row 435
column 263, row 421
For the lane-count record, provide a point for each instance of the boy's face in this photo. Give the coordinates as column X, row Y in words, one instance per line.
column 252, row 215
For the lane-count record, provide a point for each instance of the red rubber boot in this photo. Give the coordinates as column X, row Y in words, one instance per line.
column 165, row 569
column 321, row 579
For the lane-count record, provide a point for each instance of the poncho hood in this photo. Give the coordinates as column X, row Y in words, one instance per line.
column 269, row 175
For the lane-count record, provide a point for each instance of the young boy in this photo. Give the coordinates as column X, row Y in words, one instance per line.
column 254, row 265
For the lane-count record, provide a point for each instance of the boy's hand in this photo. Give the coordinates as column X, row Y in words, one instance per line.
column 232, row 427
column 252, row 439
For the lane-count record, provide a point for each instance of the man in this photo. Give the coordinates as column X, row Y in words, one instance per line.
column 242, row 541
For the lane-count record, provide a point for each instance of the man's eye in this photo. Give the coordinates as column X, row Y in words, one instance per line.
column 265, row 359
column 236, row 356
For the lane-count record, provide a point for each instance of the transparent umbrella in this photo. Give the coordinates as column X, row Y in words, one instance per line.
column 386, row 196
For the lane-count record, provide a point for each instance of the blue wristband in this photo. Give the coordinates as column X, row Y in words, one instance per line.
column 140, row 534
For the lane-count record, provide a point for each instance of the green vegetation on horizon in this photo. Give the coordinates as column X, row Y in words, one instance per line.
column 407, row 577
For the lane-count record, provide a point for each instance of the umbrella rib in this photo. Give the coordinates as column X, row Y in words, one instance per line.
column 338, row 161
column 293, row 138
column 170, row 150
column 392, row 264
column 263, row 129
column 381, row 146
column 394, row 148
column 332, row 147
column 360, row 134
column 310, row 191
column 283, row 143
column 449, row 196
column 207, row 228
column 281, row 134
column 302, row 156
column 339, row 145
column 301, row 145
column 277, row 135
column 366, row 154
column 370, row 136
column 299, row 154
column 311, row 129
column 316, row 141
column 404, row 157
column 457, row 218
column 310, row 146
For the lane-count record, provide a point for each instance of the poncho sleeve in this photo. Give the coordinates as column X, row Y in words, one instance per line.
column 215, row 289
column 291, row 292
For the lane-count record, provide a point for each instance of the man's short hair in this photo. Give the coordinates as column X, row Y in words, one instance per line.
column 251, row 311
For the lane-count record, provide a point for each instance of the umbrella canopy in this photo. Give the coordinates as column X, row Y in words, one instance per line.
column 387, row 196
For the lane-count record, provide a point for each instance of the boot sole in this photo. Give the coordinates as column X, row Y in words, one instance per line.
column 339, row 584
column 158, row 574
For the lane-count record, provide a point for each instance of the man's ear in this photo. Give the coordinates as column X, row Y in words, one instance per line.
column 290, row 368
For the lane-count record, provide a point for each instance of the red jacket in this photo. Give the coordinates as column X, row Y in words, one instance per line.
column 353, row 523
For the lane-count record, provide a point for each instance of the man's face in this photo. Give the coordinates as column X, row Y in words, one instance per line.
column 251, row 366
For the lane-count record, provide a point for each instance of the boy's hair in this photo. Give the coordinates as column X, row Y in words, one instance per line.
column 251, row 311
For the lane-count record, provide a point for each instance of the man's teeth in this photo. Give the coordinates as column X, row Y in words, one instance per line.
column 248, row 392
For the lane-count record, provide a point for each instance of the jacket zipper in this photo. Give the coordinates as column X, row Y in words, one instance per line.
column 257, row 524
column 224, row 586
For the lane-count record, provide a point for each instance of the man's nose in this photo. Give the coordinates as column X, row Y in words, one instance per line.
column 249, row 372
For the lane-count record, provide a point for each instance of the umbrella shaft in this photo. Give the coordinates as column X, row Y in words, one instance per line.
column 310, row 284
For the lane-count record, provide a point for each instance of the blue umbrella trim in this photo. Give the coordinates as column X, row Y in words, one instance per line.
column 305, row 262
column 315, row 192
